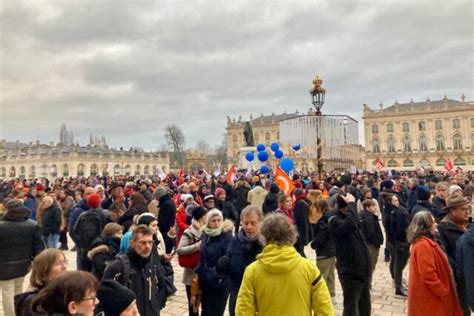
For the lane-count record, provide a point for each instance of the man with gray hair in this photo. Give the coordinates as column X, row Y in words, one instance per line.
column 262, row 291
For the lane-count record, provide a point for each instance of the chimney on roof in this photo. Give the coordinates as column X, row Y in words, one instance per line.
column 381, row 105
column 463, row 98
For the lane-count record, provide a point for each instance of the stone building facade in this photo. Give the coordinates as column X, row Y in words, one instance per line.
column 420, row 134
column 266, row 130
column 35, row 160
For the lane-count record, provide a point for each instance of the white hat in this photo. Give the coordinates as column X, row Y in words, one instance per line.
column 454, row 188
column 185, row 197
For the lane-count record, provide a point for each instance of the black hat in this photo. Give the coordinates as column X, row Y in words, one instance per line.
column 199, row 212
column 339, row 184
column 114, row 298
column 423, row 193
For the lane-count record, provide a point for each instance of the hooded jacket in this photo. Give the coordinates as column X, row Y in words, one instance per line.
column 256, row 196
column 281, row 282
column 333, row 192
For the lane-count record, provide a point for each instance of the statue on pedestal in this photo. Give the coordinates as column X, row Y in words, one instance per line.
column 248, row 135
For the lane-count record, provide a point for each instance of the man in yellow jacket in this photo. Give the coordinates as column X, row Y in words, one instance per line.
column 280, row 281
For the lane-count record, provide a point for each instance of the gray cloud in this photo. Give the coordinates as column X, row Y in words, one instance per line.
column 127, row 68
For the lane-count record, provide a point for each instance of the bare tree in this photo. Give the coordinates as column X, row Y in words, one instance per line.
column 203, row 147
column 175, row 140
column 221, row 152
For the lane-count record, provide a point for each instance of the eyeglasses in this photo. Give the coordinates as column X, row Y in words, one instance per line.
column 59, row 263
column 92, row 298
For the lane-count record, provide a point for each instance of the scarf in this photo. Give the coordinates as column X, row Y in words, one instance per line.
column 243, row 237
column 137, row 260
column 213, row 232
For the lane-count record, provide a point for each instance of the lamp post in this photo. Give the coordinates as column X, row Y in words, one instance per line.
column 317, row 94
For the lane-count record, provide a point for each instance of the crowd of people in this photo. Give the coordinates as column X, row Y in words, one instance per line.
column 241, row 243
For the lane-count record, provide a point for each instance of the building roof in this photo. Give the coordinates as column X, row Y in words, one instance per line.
column 276, row 117
column 422, row 105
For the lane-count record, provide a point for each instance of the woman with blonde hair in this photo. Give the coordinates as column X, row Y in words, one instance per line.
column 314, row 214
column 48, row 265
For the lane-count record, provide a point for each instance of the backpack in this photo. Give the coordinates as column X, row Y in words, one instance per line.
column 190, row 260
column 89, row 227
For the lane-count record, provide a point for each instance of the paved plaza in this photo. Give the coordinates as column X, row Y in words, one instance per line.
column 384, row 301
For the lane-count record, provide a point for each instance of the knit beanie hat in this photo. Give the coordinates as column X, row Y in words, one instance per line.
column 454, row 188
column 114, row 298
column 199, row 212
column 211, row 214
column 185, row 197
column 93, row 200
column 146, row 219
column 387, row 184
column 160, row 192
column 423, row 193
column 219, row 191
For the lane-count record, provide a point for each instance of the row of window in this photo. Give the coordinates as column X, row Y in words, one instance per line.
column 94, row 170
column 424, row 163
column 422, row 143
column 456, row 124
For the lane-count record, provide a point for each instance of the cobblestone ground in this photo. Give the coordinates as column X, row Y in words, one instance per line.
column 384, row 302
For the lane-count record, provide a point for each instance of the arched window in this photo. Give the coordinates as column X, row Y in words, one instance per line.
column 441, row 162
column 80, row 170
column 456, row 123
column 94, row 170
column 438, row 124
column 406, row 143
column 472, row 122
column 65, row 170
column 44, row 170
column 439, row 142
column 375, row 145
column 423, row 143
column 147, row 170
column 54, row 171
column 32, row 172
column 12, row 172
column 457, row 142
column 408, row 163
column 116, row 170
column 424, row 163
column 304, row 166
column 127, row 170
column 472, row 142
column 267, row 136
column 391, row 145
column 392, row 163
column 256, row 137
column 138, row 170
column 22, row 171
column 421, row 126
column 3, row 172
column 389, row 128
column 459, row 162
column 375, row 129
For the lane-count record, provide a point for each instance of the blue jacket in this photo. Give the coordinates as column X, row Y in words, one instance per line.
column 31, row 204
column 465, row 262
column 77, row 210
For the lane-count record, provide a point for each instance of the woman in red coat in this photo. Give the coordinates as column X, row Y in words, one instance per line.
column 431, row 288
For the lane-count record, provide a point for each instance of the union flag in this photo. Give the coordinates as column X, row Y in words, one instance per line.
column 283, row 181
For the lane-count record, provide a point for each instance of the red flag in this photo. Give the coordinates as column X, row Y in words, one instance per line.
column 379, row 164
column 230, row 176
column 283, row 181
column 449, row 165
column 180, row 173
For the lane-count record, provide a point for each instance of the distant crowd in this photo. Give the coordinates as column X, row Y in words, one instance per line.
column 240, row 241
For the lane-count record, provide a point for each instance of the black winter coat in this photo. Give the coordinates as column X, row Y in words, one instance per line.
column 399, row 222
column 449, row 234
column 20, row 242
column 51, row 220
column 352, row 257
column 301, row 215
column 241, row 202
column 241, row 253
column 228, row 210
column 103, row 251
column 212, row 249
column 324, row 242
column 371, row 228
column 167, row 215
column 145, row 275
column 271, row 200
column 127, row 218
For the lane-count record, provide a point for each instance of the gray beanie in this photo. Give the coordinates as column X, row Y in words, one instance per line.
column 160, row 192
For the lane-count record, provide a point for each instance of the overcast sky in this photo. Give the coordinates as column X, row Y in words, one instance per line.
column 125, row 69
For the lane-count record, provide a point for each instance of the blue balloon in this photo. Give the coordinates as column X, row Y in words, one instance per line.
column 297, row 147
column 263, row 156
column 249, row 156
column 287, row 164
column 264, row 169
column 260, row 147
column 279, row 154
column 274, row 147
